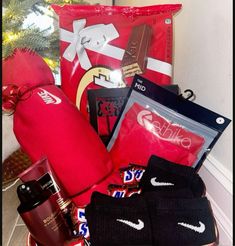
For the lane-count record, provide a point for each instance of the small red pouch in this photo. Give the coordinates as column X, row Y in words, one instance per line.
column 94, row 40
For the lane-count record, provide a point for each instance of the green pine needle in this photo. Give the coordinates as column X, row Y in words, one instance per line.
column 31, row 38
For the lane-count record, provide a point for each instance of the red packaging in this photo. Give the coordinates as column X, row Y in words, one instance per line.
column 133, row 191
column 94, row 39
column 118, row 191
column 141, row 136
column 138, row 171
column 128, row 176
column 132, row 174
column 47, row 124
column 81, row 241
column 78, row 214
column 84, row 230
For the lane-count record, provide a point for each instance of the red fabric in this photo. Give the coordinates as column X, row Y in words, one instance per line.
column 105, row 124
column 35, row 70
column 48, row 124
column 102, row 187
column 158, row 17
column 144, row 134
column 61, row 133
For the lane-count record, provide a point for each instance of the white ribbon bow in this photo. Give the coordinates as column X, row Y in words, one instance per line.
column 96, row 38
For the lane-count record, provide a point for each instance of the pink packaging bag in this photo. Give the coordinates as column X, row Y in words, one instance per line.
column 96, row 41
column 47, row 124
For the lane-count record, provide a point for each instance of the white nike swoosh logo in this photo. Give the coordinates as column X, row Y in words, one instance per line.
column 200, row 229
column 154, row 182
column 136, row 226
column 44, row 94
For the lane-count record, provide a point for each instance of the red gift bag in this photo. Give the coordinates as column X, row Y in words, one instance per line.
column 97, row 44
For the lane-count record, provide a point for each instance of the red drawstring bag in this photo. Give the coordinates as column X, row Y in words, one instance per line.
column 100, row 44
column 47, row 124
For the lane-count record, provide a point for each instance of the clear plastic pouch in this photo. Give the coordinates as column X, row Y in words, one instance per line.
column 156, row 121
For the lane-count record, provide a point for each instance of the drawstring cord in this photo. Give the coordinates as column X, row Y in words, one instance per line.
column 12, row 94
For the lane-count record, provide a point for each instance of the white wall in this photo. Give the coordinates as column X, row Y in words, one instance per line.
column 203, row 62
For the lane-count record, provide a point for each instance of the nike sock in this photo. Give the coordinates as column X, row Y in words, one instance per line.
column 180, row 193
column 180, row 221
column 164, row 175
column 118, row 221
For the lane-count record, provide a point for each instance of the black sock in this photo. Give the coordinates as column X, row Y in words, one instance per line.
column 179, row 193
column 180, row 221
column 173, row 221
column 118, row 221
column 163, row 175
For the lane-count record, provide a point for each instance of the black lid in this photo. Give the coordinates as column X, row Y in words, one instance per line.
column 31, row 194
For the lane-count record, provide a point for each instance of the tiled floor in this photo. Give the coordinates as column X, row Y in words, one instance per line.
column 14, row 231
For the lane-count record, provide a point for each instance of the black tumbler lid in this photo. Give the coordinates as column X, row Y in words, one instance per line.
column 31, row 194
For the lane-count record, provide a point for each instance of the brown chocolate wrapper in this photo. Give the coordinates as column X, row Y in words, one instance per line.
column 133, row 191
column 128, row 176
column 135, row 57
column 138, row 171
column 132, row 174
column 121, row 191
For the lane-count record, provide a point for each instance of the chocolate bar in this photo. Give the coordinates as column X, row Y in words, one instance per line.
column 135, row 56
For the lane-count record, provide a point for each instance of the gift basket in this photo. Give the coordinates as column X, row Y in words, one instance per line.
column 114, row 152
